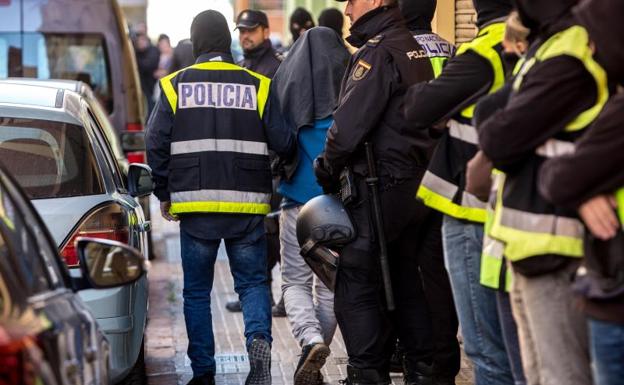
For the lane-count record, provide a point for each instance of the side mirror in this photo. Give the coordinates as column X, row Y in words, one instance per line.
column 133, row 141
column 107, row 264
column 140, row 182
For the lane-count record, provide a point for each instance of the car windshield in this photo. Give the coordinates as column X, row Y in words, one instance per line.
column 58, row 56
column 49, row 159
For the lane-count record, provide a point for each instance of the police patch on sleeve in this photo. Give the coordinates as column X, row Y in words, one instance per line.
column 361, row 70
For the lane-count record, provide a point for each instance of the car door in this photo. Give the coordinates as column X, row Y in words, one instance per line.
column 70, row 335
column 136, row 216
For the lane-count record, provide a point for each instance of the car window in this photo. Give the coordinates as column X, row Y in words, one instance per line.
column 106, row 149
column 49, row 159
column 58, row 56
column 21, row 250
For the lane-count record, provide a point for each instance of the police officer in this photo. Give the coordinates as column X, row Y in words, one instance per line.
column 590, row 179
column 557, row 94
column 207, row 144
column 418, row 15
column 387, row 62
column 257, row 48
column 477, row 69
column 260, row 57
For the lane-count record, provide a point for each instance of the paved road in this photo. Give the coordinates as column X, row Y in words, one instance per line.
column 166, row 340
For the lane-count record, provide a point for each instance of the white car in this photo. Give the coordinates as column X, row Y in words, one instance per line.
column 54, row 144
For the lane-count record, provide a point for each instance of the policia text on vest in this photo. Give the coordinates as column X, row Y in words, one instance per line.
column 217, row 95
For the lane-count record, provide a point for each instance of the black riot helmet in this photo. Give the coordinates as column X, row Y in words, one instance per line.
column 323, row 227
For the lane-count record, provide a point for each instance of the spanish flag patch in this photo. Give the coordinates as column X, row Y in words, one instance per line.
column 361, row 69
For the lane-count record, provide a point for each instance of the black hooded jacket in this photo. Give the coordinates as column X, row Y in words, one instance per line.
column 372, row 92
column 553, row 93
column 263, row 59
column 210, row 37
column 210, row 33
column 464, row 77
column 418, row 14
column 300, row 19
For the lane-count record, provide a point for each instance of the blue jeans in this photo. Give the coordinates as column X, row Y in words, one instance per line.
column 510, row 335
column 475, row 304
column 248, row 263
column 607, row 351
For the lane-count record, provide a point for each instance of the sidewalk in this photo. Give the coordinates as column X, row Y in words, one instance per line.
column 166, row 340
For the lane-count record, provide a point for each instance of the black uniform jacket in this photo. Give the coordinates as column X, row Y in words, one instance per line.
column 371, row 98
column 263, row 60
column 158, row 142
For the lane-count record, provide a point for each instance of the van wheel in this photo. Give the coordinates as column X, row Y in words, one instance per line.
column 137, row 375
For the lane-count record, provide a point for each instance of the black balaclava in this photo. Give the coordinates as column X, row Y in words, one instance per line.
column 210, row 33
column 332, row 18
column 602, row 18
column 539, row 14
column 488, row 10
column 300, row 18
column 418, row 14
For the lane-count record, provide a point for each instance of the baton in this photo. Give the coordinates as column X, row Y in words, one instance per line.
column 373, row 188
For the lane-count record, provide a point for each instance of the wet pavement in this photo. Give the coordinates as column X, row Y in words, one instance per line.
column 166, row 340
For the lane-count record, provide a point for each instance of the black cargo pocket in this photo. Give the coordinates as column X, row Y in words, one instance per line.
column 184, row 174
column 252, row 175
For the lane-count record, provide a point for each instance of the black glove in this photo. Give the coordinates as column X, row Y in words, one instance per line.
column 323, row 176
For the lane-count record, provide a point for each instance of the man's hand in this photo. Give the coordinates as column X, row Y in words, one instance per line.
column 479, row 176
column 164, row 211
column 599, row 216
column 323, row 176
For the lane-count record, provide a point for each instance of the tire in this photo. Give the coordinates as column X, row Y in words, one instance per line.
column 137, row 375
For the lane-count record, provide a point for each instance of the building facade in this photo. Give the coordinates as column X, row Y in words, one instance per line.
column 455, row 19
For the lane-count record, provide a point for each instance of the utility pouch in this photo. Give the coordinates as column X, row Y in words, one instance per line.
column 348, row 189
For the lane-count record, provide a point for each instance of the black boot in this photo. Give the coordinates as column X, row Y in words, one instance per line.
column 396, row 361
column 279, row 309
column 419, row 374
column 234, row 306
column 357, row 376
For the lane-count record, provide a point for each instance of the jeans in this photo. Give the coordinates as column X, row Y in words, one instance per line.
column 607, row 351
column 510, row 334
column 476, row 304
column 309, row 303
column 551, row 329
column 247, row 256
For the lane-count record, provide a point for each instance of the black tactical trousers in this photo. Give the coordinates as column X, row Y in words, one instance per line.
column 424, row 320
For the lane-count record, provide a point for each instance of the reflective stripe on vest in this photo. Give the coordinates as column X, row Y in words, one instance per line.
column 220, row 201
column 553, row 148
column 442, row 194
column 172, row 96
column 527, row 234
column 439, row 193
column 219, row 145
column 464, row 132
column 494, row 273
